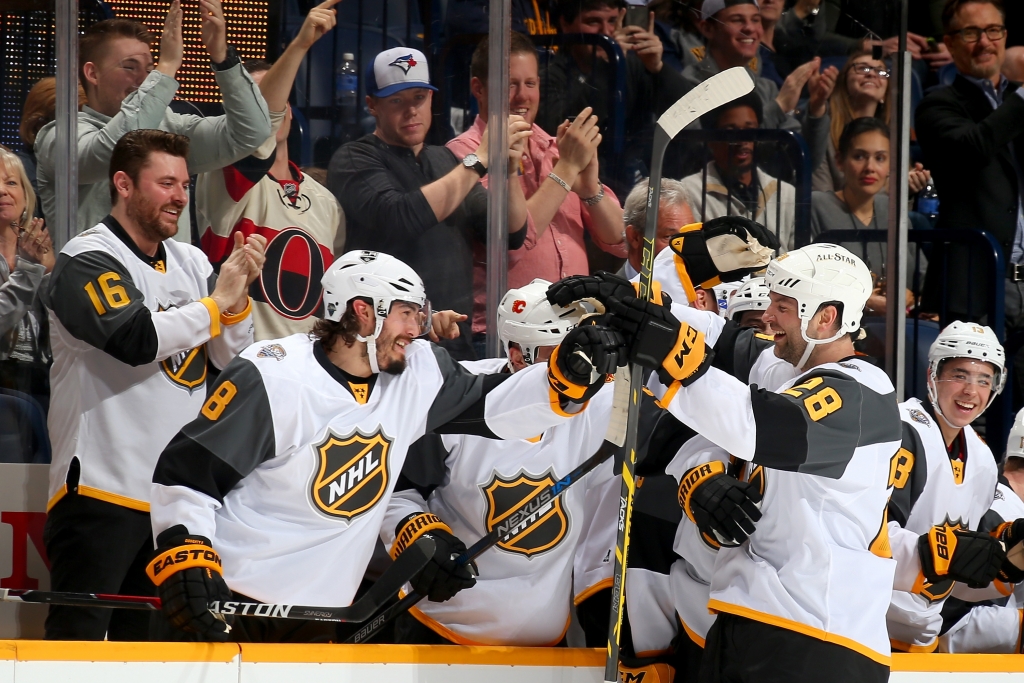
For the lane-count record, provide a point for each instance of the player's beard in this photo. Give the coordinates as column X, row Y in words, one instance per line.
column 146, row 215
column 385, row 361
column 792, row 348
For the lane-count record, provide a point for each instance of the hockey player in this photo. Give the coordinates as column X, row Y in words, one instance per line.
column 266, row 194
column 134, row 317
column 825, row 440
column 748, row 304
column 993, row 626
column 467, row 484
column 289, row 469
column 941, row 484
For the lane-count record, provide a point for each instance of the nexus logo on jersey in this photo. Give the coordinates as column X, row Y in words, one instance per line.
column 351, row 473
column 185, row 369
column 539, row 527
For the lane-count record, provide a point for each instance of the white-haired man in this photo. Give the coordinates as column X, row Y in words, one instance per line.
column 941, row 486
column 289, row 468
column 825, row 440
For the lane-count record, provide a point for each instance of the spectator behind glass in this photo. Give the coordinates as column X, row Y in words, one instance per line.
column 970, row 134
column 733, row 30
column 580, row 76
column 27, row 256
column 266, row 194
column 673, row 213
column 682, row 17
column 40, row 108
column 771, row 10
column 861, row 91
column 126, row 92
column 735, row 186
column 554, row 248
column 862, row 203
column 418, row 202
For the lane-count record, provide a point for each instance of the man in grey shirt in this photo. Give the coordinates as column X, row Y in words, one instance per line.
column 125, row 92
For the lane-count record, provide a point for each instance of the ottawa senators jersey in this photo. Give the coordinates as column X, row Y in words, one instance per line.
column 929, row 487
column 989, row 626
column 298, row 216
column 291, row 463
column 131, row 336
column 825, row 440
column 483, row 484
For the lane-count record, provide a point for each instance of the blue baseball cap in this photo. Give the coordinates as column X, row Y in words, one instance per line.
column 397, row 69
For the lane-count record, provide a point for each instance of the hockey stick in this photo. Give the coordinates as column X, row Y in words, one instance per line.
column 720, row 89
column 533, row 508
column 362, row 609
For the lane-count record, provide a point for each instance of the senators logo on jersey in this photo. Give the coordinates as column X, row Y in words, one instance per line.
column 534, row 530
column 352, row 473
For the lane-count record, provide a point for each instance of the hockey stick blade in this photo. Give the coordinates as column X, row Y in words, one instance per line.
column 536, row 506
column 720, row 89
column 405, row 567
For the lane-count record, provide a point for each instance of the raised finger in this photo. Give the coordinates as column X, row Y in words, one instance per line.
column 650, row 22
column 619, row 19
column 328, row 4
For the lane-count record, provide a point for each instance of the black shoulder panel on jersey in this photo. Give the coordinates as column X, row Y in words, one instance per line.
column 458, row 407
column 955, row 609
column 737, row 349
column 660, row 436
column 424, row 468
column 908, row 474
column 96, row 300
column 815, row 426
column 990, row 520
column 232, row 435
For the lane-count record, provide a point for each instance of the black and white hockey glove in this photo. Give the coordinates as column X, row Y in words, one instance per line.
column 443, row 577
column 660, row 342
column 971, row 557
column 722, row 250
column 724, row 509
column 600, row 286
column 1011, row 535
column 581, row 363
column 187, row 574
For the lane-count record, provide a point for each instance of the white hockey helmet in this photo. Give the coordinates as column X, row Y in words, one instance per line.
column 819, row 274
column 377, row 276
column 526, row 318
column 752, row 295
column 966, row 340
column 724, row 292
column 1015, row 442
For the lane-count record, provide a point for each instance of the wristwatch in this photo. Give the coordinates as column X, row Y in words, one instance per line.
column 473, row 161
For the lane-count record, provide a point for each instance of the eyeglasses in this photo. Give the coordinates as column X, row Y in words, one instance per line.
column 972, row 34
column 983, row 380
column 866, row 69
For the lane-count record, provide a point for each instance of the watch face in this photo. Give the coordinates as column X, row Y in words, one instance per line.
column 471, row 159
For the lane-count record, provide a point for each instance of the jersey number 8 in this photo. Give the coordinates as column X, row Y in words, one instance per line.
column 219, row 400
column 818, row 404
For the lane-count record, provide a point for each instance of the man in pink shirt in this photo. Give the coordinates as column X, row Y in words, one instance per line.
column 559, row 178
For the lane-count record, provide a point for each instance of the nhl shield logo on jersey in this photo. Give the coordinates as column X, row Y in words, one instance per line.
column 538, row 528
column 351, row 473
column 187, row 369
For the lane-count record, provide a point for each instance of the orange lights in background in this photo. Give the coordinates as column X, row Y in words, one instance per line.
column 247, row 32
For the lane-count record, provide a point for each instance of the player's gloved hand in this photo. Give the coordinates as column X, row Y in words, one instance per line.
column 443, row 577
column 1010, row 534
column 601, row 286
column 579, row 366
column 971, row 557
column 187, row 573
column 657, row 340
column 722, row 250
column 724, row 509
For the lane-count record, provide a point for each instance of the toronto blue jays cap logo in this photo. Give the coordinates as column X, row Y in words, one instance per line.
column 405, row 62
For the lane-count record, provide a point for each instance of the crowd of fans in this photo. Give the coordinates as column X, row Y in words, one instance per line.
column 821, row 70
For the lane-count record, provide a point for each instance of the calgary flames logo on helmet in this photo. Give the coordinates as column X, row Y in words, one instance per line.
column 540, row 527
column 351, row 473
column 518, row 306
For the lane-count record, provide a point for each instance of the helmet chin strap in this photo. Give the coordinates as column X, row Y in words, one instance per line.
column 371, row 344
column 811, row 343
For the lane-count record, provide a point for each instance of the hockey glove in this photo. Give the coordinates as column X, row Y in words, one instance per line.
column 187, row 573
column 724, row 509
column 443, row 577
column 1011, row 534
column 600, row 286
column 722, row 250
column 971, row 557
column 657, row 340
column 580, row 365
